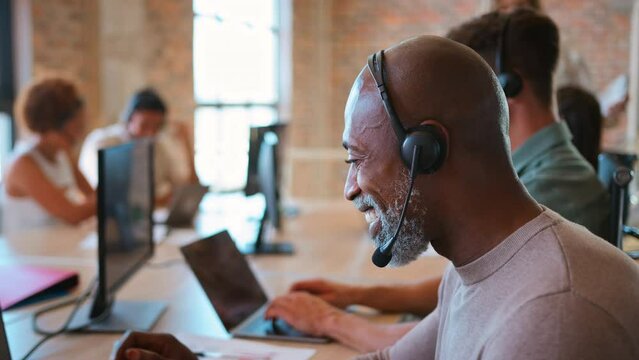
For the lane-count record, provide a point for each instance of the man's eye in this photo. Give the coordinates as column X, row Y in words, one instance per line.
column 350, row 161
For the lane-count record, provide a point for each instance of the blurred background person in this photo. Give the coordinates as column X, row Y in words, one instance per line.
column 43, row 184
column 581, row 111
column 146, row 116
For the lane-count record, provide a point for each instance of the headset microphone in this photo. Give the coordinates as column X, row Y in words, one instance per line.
column 383, row 255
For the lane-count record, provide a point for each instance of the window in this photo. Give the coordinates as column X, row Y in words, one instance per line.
column 235, row 66
column 6, row 82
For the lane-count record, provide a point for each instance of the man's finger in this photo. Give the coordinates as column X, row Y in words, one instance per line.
column 276, row 311
column 273, row 311
column 133, row 339
column 124, row 342
column 308, row 285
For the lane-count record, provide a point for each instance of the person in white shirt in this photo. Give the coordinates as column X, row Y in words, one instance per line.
column 43, row 185
column 146, row 116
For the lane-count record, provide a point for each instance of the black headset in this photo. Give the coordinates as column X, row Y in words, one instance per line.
column 510, row 81
column 423, row 140
column 421, row 148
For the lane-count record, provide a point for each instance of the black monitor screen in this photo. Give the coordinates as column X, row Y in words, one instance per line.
column 256, row 137
column 267, row 177
column 125, row 208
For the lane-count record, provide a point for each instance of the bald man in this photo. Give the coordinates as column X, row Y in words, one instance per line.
column 521, row 283
column 546, row 162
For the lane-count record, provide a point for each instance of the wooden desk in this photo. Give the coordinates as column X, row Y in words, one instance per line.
column 330, row 240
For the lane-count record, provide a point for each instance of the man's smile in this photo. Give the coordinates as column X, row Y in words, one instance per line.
column 371, row 215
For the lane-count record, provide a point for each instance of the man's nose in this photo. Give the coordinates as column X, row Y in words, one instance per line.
column 351, row 187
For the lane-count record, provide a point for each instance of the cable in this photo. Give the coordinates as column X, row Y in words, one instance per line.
column 48, row 335
column 78, row 300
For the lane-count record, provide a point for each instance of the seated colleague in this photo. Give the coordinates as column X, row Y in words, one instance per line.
column 547, row 163
column 550, row 167
column 581, row 111
column 145, row 116
column 43, row 184
column 521, row 283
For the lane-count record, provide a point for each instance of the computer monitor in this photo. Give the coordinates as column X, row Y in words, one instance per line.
column 268, row 185
column 4, row 342
column 267, row 177
column 125, row 236
column 256, row 138
column 252, row 186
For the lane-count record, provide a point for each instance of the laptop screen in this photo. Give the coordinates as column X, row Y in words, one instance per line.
column 4, row 343
column 226, row 278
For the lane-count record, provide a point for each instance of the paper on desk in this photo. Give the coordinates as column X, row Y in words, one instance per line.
column 237, row 349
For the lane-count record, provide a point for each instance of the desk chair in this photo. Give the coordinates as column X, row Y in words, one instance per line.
column 615, row 172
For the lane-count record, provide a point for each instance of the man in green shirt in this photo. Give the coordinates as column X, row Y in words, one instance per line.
column 557, row 176
column 552, row 169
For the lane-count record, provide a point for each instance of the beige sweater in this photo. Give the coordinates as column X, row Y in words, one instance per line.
column 551, row 290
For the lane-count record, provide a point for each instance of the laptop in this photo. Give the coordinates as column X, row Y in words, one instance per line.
column 5, row 354
column 234, row 291
column 184, row 205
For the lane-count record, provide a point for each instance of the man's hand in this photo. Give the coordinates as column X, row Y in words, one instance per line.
column 303, row 311
column 146, row 346
column 337, row 294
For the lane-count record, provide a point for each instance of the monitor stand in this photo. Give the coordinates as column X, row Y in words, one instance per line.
column 123, row 316
column 268, row 248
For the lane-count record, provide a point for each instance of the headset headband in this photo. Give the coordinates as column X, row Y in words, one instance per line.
column 501, row 56
column 376, row 67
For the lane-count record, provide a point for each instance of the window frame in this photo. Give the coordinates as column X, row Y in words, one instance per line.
column 275, row 29
column 276, row 105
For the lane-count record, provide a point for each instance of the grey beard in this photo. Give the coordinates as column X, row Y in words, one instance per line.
column 411, row 241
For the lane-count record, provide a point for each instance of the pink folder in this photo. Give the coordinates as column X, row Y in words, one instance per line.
column 22, row 282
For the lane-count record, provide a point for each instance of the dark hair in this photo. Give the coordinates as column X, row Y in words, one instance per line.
column 49, row 104
column 532, row 45
column 581, row 111
column 145, row 99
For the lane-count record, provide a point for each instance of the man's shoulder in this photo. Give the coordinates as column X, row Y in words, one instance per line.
column 558, row 160
column 596, row 268
column 563, row 325
column 563, row 181
column 566, row 257
column 600, row 274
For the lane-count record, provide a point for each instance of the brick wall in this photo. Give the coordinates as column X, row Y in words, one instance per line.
column 64, row 40
column 331, row 40
column 169, row 27
column 114, row 47
column 148, row 42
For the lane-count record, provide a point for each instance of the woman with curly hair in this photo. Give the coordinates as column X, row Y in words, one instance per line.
column 43, row 185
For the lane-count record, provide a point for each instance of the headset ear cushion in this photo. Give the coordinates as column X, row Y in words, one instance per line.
column 511, row 83
column 432, row 149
